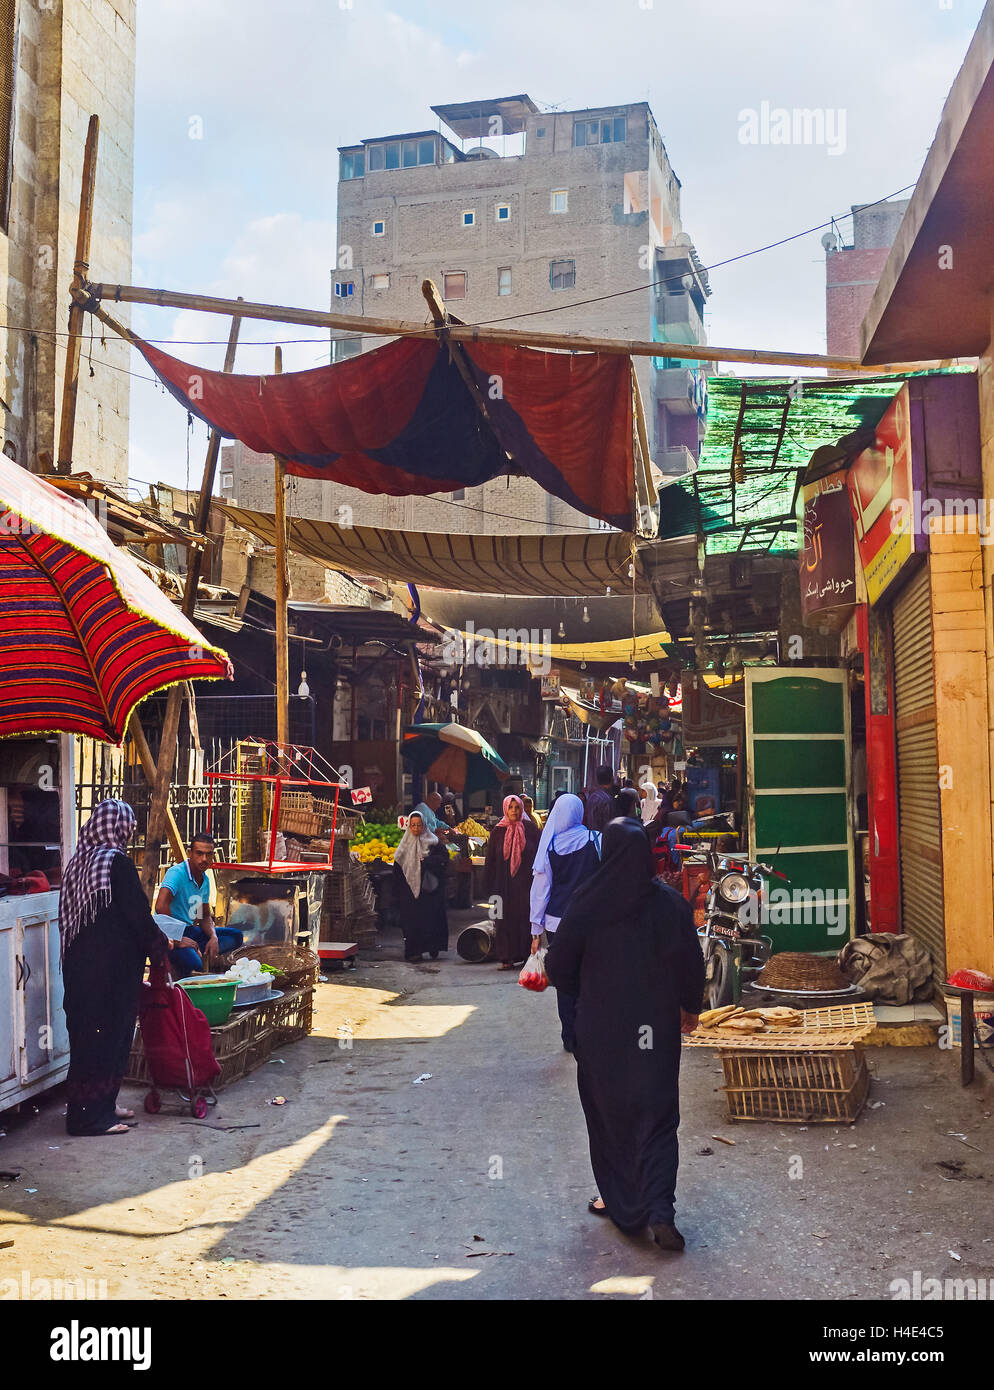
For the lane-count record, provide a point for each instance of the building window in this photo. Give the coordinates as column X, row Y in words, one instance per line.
column 468, row 218
column 344, row 348
column 353, row 165
column 379, row 229
column 503, row 212
column 344, row 289
column 380, row 281
column 227, row 482
column 562, row 274
column 559, row 201
column 401, row 154
column 459, row 494
column 454, row 284
column 609, row 130
column 540, row 132
column 504, row 279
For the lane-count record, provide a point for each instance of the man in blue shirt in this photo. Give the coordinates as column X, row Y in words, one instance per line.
column 185, row 894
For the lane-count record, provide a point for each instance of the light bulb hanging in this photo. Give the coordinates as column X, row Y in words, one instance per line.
column 586, row 614
column 562, row 628
column 303, row 689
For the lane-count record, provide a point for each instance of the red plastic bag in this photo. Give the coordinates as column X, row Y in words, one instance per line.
column 972, row 979
column 533, row 974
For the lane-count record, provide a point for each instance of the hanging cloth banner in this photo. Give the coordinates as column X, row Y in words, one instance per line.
column 401, row 420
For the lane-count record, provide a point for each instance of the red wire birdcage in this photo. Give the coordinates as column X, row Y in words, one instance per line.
column 282, row 788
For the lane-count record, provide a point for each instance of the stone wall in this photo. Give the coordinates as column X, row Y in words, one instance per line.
column 75, row 58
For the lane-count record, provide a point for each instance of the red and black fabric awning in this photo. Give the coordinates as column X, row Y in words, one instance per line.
column 402, row 420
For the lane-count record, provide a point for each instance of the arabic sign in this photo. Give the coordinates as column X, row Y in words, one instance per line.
column 828, row 563
column 880, row 491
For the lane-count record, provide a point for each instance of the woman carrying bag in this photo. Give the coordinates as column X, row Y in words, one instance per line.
column 568, row 853
column 419, row 866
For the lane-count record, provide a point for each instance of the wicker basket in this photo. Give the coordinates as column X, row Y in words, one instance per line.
column 247, row 1040
column 296, row 966
column 800, row 971
column 796, row 1087
column 303, row 813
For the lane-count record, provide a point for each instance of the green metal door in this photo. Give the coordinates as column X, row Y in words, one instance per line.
column 797, row 753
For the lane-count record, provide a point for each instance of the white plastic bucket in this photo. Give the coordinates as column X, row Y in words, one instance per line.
column 983, row 1017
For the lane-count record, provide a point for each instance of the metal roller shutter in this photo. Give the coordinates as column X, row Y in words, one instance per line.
column 919, row 820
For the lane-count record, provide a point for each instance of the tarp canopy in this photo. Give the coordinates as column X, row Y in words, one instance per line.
column 778, row 423
column 403, row 421
column 569, row 565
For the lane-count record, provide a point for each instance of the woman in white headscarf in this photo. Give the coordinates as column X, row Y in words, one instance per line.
column 568, row 853
column 419, row 867
column 650, row 801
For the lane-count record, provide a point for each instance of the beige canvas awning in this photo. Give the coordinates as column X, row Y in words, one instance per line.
column 578, row 564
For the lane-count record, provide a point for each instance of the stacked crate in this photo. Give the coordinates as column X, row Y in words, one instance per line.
column 349, row 911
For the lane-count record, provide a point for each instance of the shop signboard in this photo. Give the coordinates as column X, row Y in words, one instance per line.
column 881, row 492
column 550, row 685
column 828, row 560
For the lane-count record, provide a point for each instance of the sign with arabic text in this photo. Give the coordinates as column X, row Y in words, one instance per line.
column 827, row 563
column 880, row 490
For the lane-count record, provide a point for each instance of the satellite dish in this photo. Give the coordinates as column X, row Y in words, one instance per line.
column 830, row 242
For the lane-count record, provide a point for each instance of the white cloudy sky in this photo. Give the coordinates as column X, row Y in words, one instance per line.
column 250, row 208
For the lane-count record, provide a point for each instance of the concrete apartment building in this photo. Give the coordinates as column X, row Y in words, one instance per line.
column 60, row 63
column 852, row 272
column 512, row 210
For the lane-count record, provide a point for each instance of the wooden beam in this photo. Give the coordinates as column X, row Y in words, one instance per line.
column 470, row 333
column 158, row 810
column 138, row 738
column 84, row 228
column 282, row 593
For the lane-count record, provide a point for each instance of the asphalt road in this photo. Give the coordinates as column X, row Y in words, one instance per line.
column 432, row 1147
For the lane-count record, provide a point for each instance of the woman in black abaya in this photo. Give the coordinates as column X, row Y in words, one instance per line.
column 107, row 932
column 420, row 864
column 627, row 949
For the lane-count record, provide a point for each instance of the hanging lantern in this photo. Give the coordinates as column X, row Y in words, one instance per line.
column 738, row 462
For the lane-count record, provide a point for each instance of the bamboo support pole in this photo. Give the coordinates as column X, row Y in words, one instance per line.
column 282, row 593
column 470, row 333
column 159, row 813
column 84, row 229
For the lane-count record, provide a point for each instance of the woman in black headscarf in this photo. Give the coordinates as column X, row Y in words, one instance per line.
column 627, row 948
column 627, row 803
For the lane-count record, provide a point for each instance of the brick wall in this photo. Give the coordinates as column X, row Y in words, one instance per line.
column 850, row 278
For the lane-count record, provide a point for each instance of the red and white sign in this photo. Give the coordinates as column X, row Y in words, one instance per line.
column 361, row 795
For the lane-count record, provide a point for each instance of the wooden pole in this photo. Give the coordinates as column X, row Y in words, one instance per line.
column 137, row 734
column 84, row 228
column 158, row 810
column 470, row 333
column 282, row 594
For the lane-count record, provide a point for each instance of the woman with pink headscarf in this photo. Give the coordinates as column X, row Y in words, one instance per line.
column 508, row 879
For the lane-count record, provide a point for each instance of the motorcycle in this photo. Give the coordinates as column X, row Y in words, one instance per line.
column 733, row 947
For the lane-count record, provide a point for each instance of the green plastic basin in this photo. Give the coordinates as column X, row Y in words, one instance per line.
column 213, row 995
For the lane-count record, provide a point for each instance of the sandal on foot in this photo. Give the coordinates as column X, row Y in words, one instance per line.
column 594, row 1209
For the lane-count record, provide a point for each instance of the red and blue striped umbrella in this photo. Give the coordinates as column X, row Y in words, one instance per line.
column 84, row 633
